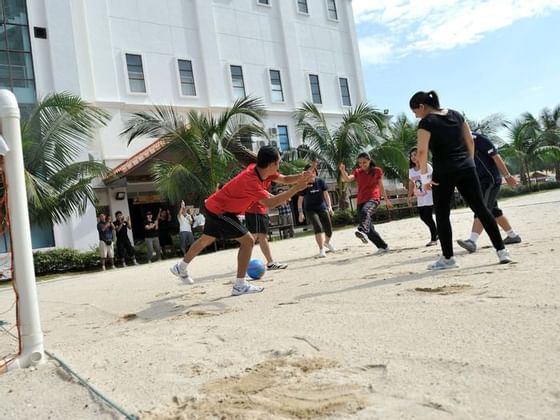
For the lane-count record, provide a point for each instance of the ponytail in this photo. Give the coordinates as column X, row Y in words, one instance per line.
column 425, row 98
column 371, row 169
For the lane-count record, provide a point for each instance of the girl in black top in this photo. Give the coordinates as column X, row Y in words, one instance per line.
column 449, row 138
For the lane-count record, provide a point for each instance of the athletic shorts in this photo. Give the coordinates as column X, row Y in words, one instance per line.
column 106, row 251
column 489, row 195
column 257, row 223
column 223, row 226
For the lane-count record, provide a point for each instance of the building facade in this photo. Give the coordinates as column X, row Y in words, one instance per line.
column 128, row 55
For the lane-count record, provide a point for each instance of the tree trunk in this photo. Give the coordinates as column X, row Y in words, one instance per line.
column 342, row 197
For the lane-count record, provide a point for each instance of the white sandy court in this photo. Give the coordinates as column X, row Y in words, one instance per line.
column 353, row 335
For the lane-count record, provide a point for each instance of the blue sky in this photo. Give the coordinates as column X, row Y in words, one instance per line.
column 482, row 57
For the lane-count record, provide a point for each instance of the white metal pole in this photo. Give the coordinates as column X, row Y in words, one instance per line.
column 32, row 350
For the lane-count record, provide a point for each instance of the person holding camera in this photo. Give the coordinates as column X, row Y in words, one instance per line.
column 151, row 228
column 124, row 247
column 106, row 230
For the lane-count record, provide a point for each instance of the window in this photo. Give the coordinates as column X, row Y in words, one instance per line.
column 331, row 9
column 135, row 70
column 277, row 93
column 302, row 6
column 186, row 78
column 237, row 82
column 315, row 89
column 344, row 91
column 264, row 2
column 283, row 138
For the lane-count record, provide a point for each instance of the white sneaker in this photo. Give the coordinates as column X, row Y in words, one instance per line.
column 443, row 264
column 382, row 251
column 246, row 288
column 182, row 274
column 503, row 256
column 329, row 247
column 322, row 253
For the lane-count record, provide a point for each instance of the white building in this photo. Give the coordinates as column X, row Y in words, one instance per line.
column 127, row 55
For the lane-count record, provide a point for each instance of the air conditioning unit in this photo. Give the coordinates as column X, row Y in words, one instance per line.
column 272, row 131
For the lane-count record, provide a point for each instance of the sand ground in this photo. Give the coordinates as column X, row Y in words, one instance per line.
column 354, row 335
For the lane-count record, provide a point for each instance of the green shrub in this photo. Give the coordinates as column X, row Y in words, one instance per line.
column 343, row 217
column 525, row 189
column 64, row 259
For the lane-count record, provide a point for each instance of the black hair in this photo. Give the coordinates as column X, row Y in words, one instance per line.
column 308, row 167
column 364, row 155
column 425, row 98
column 411, row 164
column 117, row 213
column 266, row 156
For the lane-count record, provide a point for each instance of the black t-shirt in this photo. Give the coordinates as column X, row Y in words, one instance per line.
column 486, row 168
column 150, row 233
column 314, row 199
column 122, row 235
column 447, row 143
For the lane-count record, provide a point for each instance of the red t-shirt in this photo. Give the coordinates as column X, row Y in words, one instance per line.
column 368, row 185
column 240, row 193
column 257, row 207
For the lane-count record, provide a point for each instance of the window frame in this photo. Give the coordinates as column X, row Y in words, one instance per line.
column 335, row 11
column 264, row 4
column 306, row 6
column 338, row 79
column 127, row 78
column 311, row 89
column 287, row 136
column 230, row 76
column 269, row 70
column 178, row 72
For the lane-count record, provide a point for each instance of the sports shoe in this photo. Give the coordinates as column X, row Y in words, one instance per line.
column 443, row 264
column 322, row 253
column 361, row 236
column 467, row 244
column 246, row 288
column 124, row 264
column 382, row 251
column 508, row 240
column 275, row 265
column 503, row 256
column 182, row 274
column 431, row 243
column 329, row 247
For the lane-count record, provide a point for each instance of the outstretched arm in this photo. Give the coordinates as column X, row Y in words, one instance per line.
column 344, row 175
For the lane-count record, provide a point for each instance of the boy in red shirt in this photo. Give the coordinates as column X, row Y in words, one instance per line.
column 235, row 198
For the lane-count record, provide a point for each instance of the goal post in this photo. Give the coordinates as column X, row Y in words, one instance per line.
column 31, row 350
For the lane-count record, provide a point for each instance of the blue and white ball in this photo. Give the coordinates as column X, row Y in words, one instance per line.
column 256, row 269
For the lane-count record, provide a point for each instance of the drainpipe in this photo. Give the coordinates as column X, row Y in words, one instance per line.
column 31, row 335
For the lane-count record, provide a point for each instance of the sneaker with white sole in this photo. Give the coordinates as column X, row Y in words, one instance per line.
column 182, row 274
column 322, row 253
column 432, row 243
column 443, row 263
column 509, row 240
column 503, row 256
column 381, row 251
column 275, row 265
column 245, row 289
column 361, row 236
column 329, row 247
column 467, row 244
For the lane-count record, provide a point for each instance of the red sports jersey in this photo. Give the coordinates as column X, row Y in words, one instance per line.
column 368, row 185
column 240, row 193
column 257, row 207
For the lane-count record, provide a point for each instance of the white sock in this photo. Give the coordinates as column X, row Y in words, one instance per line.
column 511, row 233
column 240, row 282
column 474, row 236
column 183, row 265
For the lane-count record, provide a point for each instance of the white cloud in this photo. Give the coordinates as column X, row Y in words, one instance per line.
column 404, row 26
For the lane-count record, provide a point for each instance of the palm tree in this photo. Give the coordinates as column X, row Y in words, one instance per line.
column 547, row 132
column 360, row 127
column 490, row 126
column 208, row 148
column 54, row 136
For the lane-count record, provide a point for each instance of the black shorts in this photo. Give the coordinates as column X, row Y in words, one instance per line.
column 490, row 194
column 223, row 226
column 257, row 223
